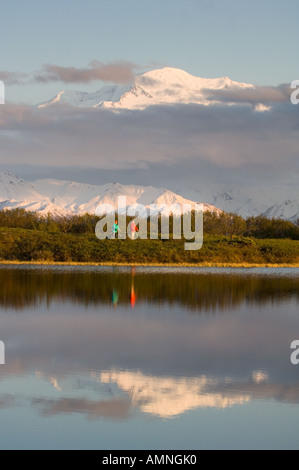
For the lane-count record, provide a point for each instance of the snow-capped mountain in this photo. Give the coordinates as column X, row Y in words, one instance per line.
column 249, row 200
column 67, row 198
column 17, row 193
column 287, row 210
column 158, row 87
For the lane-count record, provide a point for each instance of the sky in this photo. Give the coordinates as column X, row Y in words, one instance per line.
column 252, row 41
column 52, row 46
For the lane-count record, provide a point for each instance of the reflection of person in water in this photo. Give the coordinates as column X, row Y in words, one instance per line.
column 133, row 295
column 115, row 297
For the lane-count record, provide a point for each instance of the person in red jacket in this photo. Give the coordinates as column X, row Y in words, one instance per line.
column 133, row 229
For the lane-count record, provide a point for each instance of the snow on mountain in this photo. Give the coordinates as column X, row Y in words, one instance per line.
column 14, row 188
column 88, row 100
column 287, row 210
column 17, row 193
column 249, row 200
column 243, row 201
column 158, row 87
column 67, row 198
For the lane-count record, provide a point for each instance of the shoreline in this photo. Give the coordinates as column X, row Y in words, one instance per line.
column 166, row 265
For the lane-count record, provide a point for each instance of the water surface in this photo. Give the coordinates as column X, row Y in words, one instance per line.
column 149, row 358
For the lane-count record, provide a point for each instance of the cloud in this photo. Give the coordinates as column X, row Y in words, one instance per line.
column 258, row 94
column 12, row 78
column 118, row 72
column 172, row 146
column 224, row 138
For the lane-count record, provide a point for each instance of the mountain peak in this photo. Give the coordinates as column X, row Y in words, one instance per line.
column 164, row 86
column 167, row 74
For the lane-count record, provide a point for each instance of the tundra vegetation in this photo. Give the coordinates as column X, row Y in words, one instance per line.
column 228, row 239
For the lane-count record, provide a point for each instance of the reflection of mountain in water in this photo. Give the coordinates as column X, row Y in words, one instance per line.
column 115, row 394
column 167, row 397
column 20, row 288
column 164, row 397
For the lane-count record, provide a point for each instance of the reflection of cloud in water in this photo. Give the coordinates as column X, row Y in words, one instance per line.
column 259, row 376
column 113, row 409
column 7, row 401
column 52, row 380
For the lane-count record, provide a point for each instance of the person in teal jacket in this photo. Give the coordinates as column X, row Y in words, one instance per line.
column 115, row 229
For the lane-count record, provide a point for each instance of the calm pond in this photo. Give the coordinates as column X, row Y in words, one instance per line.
column 148, row 358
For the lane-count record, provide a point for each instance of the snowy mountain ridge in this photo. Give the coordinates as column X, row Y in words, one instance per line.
column 67, row 197
column 70, row 198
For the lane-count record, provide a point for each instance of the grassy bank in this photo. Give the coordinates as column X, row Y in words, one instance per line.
column 34, row 246
column 153, row 265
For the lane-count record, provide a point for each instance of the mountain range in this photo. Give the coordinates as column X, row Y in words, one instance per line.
column 68, row 198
